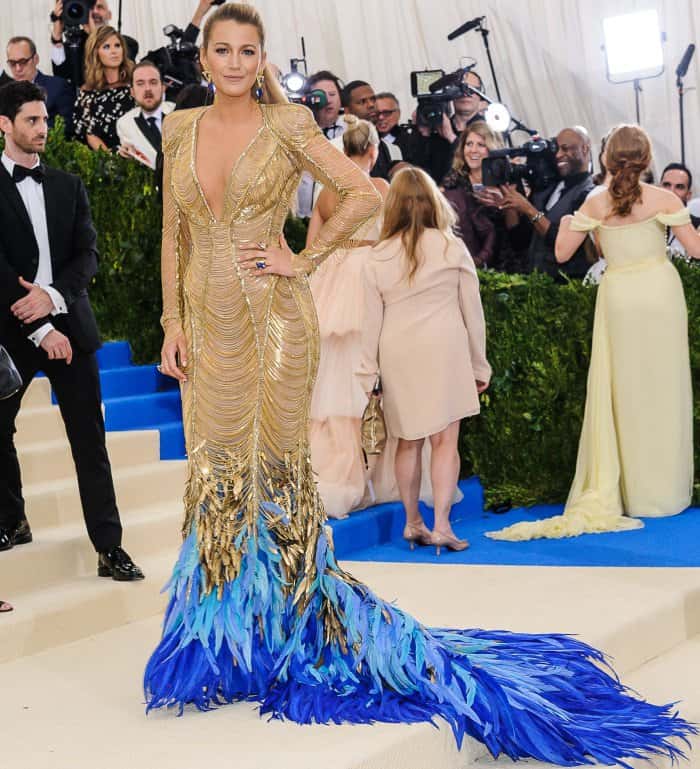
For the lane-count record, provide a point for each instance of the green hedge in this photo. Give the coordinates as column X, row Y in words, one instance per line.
column 523, row 446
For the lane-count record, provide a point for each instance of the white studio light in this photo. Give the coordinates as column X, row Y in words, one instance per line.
column 497, row 117
column 633, row 46
column 295, row 82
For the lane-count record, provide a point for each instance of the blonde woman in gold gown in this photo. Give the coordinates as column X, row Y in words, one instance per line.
column 259, row 608
column 635, row 456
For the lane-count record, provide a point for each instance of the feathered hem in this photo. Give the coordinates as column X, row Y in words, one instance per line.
column 345, row 655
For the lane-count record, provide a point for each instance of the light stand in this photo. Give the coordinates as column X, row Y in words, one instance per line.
column 680, row 74
column 633, row 50
column 119, row 17
column 485, row 37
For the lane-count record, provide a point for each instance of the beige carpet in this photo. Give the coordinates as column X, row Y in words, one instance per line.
column 74, row 649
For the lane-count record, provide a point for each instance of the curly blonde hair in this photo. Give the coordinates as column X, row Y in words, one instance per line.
column 95, row 75
column 627, row 156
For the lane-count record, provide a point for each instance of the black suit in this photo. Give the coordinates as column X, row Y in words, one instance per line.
column 60, row 97
column 72, row 241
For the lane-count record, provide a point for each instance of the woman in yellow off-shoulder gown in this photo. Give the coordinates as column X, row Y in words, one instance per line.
column 259, row 608
column 635, row 456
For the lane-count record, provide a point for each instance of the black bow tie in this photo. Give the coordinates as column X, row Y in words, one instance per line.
column 20, row 173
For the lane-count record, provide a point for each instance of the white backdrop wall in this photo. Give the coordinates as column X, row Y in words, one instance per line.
column 547, row 53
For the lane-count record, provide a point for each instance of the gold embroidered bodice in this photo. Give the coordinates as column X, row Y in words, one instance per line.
column 253, row 341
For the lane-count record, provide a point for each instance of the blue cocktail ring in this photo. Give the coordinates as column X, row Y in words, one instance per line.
column 261, row 264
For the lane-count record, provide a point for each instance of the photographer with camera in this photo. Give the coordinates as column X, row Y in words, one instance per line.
column 552, row 200
column 469, row 108
column 73, row 21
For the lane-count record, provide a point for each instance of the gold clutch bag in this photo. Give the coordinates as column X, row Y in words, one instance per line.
column 373, row 428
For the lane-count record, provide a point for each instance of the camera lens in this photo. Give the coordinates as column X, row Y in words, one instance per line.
column 74, row 11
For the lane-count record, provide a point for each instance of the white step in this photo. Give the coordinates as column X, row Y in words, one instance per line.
column 37, row 424
column 52, row 460
column 38, row 393
column 58, row 502
column 83, row 606
column 65, row 552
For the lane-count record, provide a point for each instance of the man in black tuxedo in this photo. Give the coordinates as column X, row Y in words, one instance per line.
column 48, row 257
column 23, row 63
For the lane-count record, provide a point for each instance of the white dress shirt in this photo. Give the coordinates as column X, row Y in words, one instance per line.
column 157, row 114
column 309, row 188
column 32, row 194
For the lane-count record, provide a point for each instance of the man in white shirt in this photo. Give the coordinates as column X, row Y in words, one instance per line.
column 140, row 130
column 48, row 257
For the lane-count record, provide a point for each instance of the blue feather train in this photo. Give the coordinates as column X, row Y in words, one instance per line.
column 549, row 697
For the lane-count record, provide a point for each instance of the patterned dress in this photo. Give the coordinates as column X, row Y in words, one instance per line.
column 96, row 112
column 259, row 608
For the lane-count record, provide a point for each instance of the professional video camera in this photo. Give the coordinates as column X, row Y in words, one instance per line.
column 435, row 92
column 314, row 99
column 539, row 169
column 178, row 61
column 76, row 12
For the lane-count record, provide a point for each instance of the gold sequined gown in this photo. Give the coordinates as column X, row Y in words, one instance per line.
column 259, row 608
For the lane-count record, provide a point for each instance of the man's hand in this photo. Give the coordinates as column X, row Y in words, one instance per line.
column 36, row 304
column 446, row 131
column 131, row 152
column 203, row 7
column 57, row 28
column 513, row 199
column 57, row 346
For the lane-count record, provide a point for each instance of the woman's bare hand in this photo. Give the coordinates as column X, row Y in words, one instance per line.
column 173, row 357
column 257, row 259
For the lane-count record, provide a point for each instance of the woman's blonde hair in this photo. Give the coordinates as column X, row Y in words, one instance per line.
column 492, row 140
column 627, row 156
column 241, row 13
column 413, row 205
column 95, row 75
column 359, row 136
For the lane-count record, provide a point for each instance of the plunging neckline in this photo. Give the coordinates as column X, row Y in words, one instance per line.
column 234, row 168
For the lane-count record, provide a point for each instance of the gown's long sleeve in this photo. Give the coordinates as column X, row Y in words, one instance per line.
column 358, row 200
column 170, row 259
column 373, row 310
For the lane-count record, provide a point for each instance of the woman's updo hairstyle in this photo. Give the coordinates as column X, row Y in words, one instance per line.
column 359, row 136
column 241, row 13
column 627, row 156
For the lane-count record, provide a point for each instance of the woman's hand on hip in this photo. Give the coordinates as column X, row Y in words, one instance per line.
column 173, row 356
column 257, row 259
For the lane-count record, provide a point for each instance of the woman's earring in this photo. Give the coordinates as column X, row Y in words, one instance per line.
column 260, row 81
column 206, row 75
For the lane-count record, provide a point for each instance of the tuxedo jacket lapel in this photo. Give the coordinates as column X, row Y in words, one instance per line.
column 152, row 134
column 51, row 200
column 9, row 189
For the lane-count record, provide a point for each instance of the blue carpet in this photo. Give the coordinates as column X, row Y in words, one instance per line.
column 138, row 397
column 662, row 542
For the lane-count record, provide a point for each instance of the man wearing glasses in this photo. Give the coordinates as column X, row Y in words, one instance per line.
column 23, row 64
column 388, row 117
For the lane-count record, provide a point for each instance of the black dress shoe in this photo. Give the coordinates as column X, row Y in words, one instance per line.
column 20, row 534
column 117, row 564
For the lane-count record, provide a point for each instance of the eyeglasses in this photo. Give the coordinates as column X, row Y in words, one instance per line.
column 14, row 63
column 386, row 112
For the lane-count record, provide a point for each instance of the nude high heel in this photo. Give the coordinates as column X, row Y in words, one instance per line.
column 441, row 540
column 417, row 533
